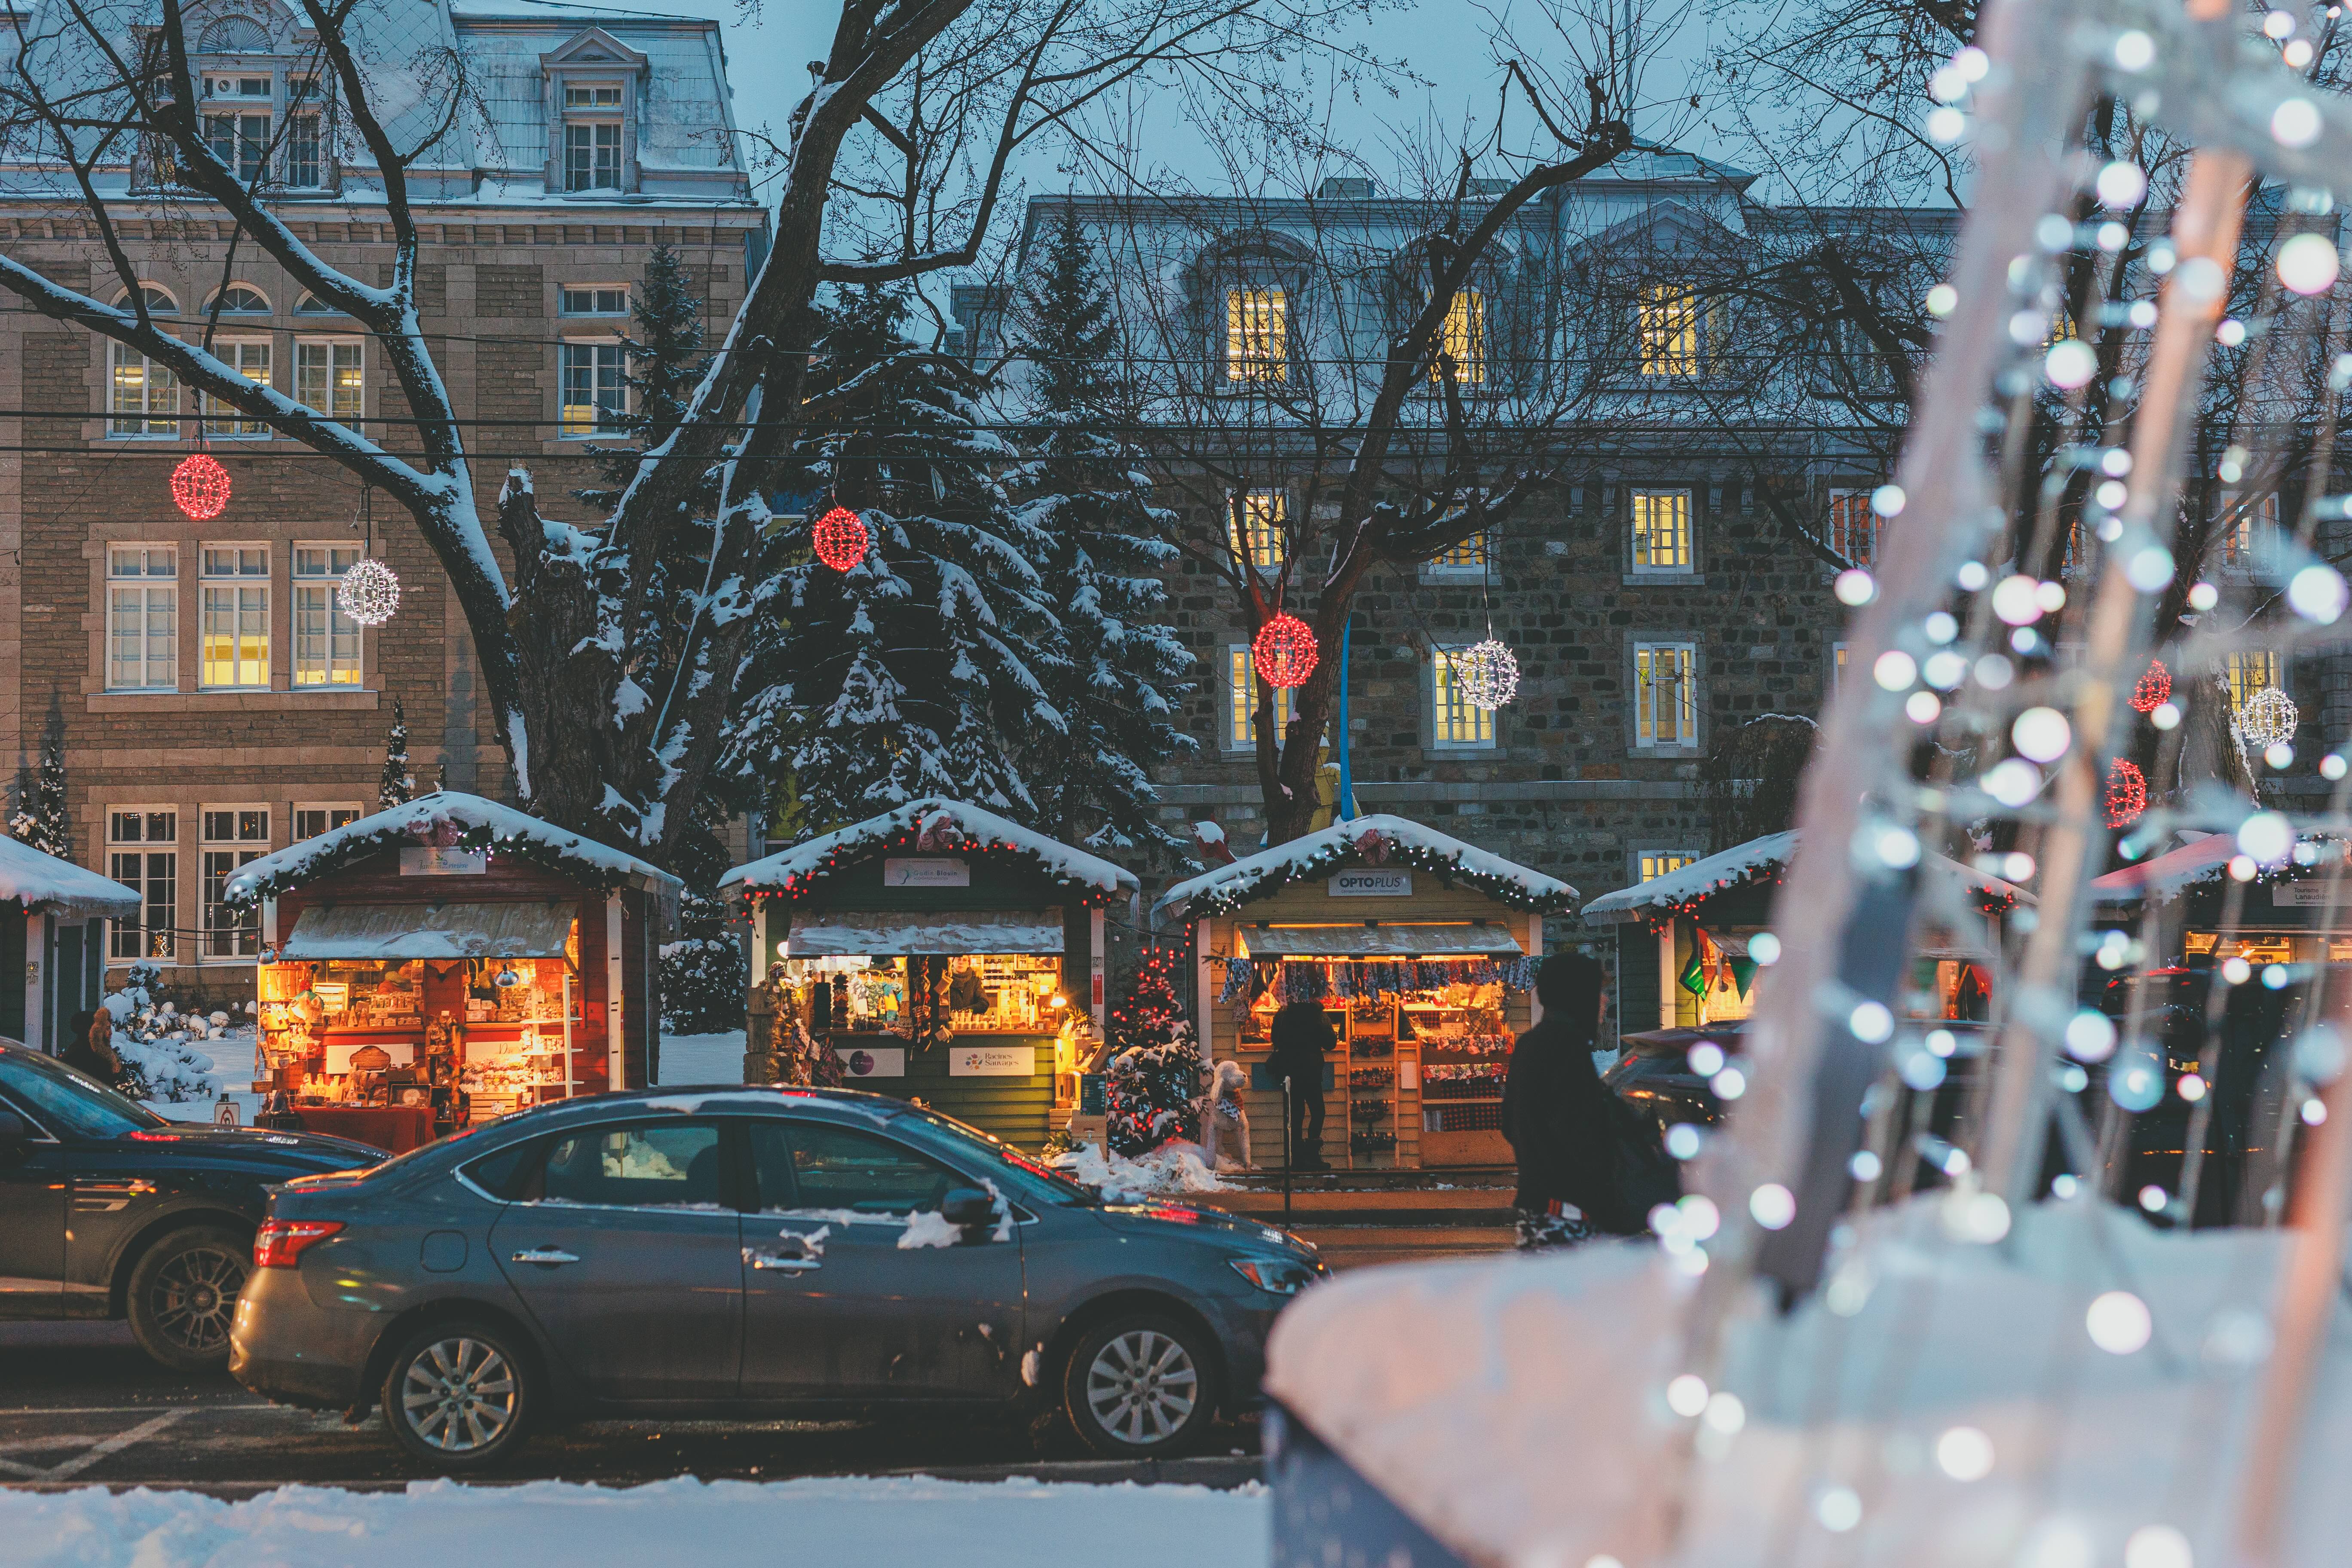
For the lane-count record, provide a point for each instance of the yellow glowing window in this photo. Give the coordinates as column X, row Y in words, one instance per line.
column 1665, row 694
column 1463, row 339
column 1257, row 333
column 1853, row 527
column 1456, row 723
column 2247, row 523
column 1260, row 528
column 1662, row 530
column 1468, row 557
column 1669, row 326
column 251, row 360
column 2251, row 672
column 1241, row 701
column 1656, row 863
column 235, row 642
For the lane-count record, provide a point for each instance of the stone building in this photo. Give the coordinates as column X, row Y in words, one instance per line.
column 217, row 701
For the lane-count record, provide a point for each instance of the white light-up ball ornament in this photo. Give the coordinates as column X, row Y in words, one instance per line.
column 1489, row 675
column 368, row 592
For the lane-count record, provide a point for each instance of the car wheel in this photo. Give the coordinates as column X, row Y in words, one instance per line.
column 183, row 1296
column 1137, row 1387
column 459, row 1396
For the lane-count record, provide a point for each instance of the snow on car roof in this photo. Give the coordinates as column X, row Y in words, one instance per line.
column 932, row 824
column 1394, row 840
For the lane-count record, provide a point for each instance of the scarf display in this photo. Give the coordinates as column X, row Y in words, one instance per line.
column 1348, row 979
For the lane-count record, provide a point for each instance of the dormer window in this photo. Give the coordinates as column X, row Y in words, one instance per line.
column 591, row 138
column 595, row 92
column 600, row 97
column 246, row 87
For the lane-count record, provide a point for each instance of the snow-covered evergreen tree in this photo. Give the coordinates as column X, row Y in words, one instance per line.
column 398, row 785
column 43, row 818
column 917, row 671
column 1122, row 671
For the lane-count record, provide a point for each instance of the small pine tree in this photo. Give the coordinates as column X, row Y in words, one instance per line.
column 1120, row 673
column 43, row 818
column 398, row 785
column 1155, row 1071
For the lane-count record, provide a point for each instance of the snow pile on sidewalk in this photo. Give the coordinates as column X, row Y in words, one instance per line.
column 887, row 1522
column 715, row 1057
column 1176, row 1166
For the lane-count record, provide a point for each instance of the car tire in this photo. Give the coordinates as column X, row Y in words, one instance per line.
column 1140, row 1387
column 461, row 1395
column 182, row 1294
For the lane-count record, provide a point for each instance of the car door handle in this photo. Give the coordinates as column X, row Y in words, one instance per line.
column 546, row 1255
column 770, row 1260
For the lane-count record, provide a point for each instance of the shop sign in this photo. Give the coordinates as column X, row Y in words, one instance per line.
column 436, row 862
column 1369, row 882
column 878, row 1061
column 2310, row 895
column 991, row 1061
column 914, row 871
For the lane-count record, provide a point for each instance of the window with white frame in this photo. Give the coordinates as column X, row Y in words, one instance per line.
column 329, row 376
column 1665, row 694
column 234, row 652
column 312, row 818
column 2249, row 524
column 237, row 124
column 1457, row 724
column 2251, row 671
column 1470, row 558
column 1670, row 318
column 591, row 136
column 240, row 299
column 595, row 390
column 251, row 359
column 1241, row 701
column 234, row 834
column 326, row 638
column 1649, row 865
column 142, row 854
column 1662, row 531
column 1261, row 527
column 1463, row 340
column 305, row 156
column 1837, row 668
column 1257, row 335
column 143, row 617
column 593, row 299
column 1853, row 526
column 144, row 395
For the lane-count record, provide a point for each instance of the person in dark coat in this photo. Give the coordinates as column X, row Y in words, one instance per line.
column 89, row 1050
column 1556, row 1110
column 1301, row 1035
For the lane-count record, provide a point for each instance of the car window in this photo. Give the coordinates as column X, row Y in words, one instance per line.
column 1027, row 1177
column 62, row 1101
column 504, row 1172
column 809, row 1165
column 657, row 1164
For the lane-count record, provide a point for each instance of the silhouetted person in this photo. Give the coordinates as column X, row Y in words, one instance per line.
column 1301, row 1035
column 1556, row 1111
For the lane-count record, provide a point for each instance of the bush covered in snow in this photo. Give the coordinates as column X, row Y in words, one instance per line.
column 702, row 985
column 156, row 1035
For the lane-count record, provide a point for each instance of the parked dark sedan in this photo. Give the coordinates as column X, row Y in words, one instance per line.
column 108, row 1211
column 750, row 1252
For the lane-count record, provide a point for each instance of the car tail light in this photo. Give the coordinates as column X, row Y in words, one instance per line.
column 281, row 1243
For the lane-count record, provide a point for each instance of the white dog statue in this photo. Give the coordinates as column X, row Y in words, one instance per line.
column 1225, row 1125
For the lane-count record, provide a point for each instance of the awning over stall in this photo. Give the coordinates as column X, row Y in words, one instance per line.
column 891, row 933
column 1378, row 942
column 397, row 932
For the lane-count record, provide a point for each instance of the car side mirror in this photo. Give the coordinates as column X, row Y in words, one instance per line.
column 968, row 1206
column 14, row 1135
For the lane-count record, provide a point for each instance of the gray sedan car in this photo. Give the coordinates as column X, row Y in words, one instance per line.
column 750, row 1252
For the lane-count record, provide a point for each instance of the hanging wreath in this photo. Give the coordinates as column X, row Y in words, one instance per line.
column 199, row 488
column 1488, row 674
column 1285, row 651
column 368, row 592
column 841, row 539
column 2155, row 689
column 2268, row 719
column 2126, row 793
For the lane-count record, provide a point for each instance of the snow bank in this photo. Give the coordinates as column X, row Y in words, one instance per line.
column 1176, row 1166
column 1531, row 1423
column 885, row 1521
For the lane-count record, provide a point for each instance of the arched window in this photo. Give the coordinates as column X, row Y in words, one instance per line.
column 311, row 305
column 241, row 299
column 159, row 299
column 237, row 36
column 1255, row 285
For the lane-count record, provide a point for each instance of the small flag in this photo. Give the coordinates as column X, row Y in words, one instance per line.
column 1743, row 974
column 1694, row 976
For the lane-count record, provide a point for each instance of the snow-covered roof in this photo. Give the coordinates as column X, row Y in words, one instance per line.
column 932, row 824
column 2199, row 860
column 38, row 881
column 1377, row 839
column 1741, row 865
column 449, row 820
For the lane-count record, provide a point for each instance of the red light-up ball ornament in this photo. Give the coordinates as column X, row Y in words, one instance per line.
column 2126, row 793
column 841, row 539
column 199, row 488
column 2155, row 689
column 1285, row 652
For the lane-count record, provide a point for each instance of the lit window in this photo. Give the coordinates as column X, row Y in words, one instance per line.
column 1662, row 530
column 1455, row 724
column 2251, row 672
column 236, row 646
column 1652, row 864
column 1853, row 527
column 1467, row 558
column 586, row 301
column 1260, row 529
column 133, row 859
column 2249, row 524
column 1257, row 334
column 1665, row 694
column 251, row 360
column 143, row 617
column 326, row 639
column 1670, row 329
column 145, row 395
column 591, row 155
column 1837, row 668
column 595, row 395
column 329, row 377
column 1241, row 701
column 309, row 821
column 1463, row 339
column 233, row 836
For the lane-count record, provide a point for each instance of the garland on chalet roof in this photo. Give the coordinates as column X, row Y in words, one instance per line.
column 932, row 827
column 1369, row 841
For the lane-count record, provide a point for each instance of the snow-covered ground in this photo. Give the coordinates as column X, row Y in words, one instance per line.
column 703, row 1059
column 1175, row 1166
column 886, row 1522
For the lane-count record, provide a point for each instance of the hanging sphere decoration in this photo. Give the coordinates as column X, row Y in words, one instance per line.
column 2126, row 793
column 1285, row 651
column 840, row 538
column 1488, row 674
column 2267, row 720
column 2155, row 689
column 368, row 592
column 199, row 488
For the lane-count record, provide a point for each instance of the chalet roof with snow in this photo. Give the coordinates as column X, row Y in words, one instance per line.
column 40, row 882
column 1377, row 839
column 932, row 824
column 1742, row 865
column 449, row 820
